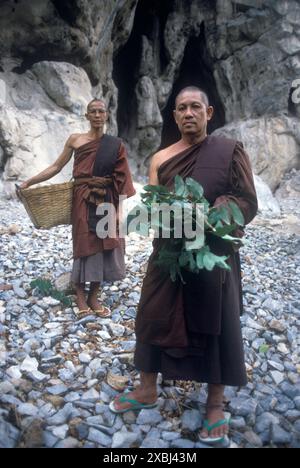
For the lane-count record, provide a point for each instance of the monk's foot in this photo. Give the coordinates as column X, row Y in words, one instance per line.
column 81, row 303
column 216, row 424
column 99, row 309
column 135, row 400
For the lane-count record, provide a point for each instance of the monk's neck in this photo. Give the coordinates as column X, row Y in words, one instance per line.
column 190, row 140
column 94, row 134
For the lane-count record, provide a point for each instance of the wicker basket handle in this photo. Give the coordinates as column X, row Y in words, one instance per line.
column 18, row 191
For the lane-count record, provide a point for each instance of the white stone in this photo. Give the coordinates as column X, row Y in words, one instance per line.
column 84, row 358
column 104, row 335
column 95, row 364
column 124, row 439
column 29, row 364
column 277, row 376
column 282, row 348
column 116, row 329
column 6, row 387
column 91, row 395
column 267, row 203
column 14, row 372
column 27, row 409
column 61, row 431
column 38, row 376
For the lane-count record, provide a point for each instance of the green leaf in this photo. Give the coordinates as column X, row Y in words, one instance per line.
column 156, row 189
column 264, row 348
column 214, row 216
column 221, row 263
column 195, row 244
column 184, row 258
column 199, row 259
column 192, row 263
column 235, row 240
column 194, row 188
column 222, row 231
column 237, row 215
column 209, row 261
column 180, row 188
column 224, row 215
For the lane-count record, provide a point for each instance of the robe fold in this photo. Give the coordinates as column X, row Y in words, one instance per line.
column 192, row 331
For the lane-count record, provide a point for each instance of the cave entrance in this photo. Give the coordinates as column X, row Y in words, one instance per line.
column 150, row 19
column 196, row 70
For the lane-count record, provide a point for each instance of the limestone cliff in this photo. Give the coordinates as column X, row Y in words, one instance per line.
column 137, row 54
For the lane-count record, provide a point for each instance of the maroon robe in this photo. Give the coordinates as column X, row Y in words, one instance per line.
column 86, row 242
column 192, row 331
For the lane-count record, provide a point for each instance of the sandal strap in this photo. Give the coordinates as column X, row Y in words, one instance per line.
column 124, row 399
column 210, row 427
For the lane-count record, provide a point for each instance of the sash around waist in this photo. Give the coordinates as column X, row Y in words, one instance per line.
column 96, row 188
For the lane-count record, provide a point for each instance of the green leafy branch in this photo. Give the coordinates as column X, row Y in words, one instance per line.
column 193, row 254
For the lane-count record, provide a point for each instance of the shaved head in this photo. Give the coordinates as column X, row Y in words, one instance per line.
column 94, row 101
column 194, row 89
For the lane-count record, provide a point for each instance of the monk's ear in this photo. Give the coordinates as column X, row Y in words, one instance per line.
column 210, row 112
column 86, row 116
column 174, row 114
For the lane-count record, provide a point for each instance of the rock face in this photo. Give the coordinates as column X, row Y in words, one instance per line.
column 267, row 203
column 273, row 144
column 35, row 126
column 137, row 54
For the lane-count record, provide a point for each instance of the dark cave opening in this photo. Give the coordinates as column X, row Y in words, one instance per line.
column 292, row 100
column 196, row 70
column 68, row 10
column 150, row 19
column 49, row 52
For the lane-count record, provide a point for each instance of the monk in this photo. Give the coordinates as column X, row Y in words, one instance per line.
column 192, row 331
column 101, row 173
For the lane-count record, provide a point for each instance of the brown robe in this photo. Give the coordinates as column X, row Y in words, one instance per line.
column 86, row 242
column 193, row 332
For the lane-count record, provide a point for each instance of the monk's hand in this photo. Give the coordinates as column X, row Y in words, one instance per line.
column 24, row 185
column 239, row 231
column 221, row 201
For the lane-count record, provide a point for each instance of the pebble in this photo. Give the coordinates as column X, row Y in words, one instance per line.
column 54, row 367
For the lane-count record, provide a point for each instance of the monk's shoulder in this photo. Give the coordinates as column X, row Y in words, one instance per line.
column 163, row 155
column 157, row 157
column 73, row 138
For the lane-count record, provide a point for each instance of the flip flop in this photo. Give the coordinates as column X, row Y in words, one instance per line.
column 210, row 427
column 83, row 313
column 135, row 405
column 104, row 312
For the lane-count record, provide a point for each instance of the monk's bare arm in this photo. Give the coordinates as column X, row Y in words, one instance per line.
column 161, row 157
column 56, row 167
column 153, row 169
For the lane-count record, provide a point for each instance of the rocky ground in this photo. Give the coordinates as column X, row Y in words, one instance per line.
column 58, row 374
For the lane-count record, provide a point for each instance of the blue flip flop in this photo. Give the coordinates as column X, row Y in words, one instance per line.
column 135, row 405
column 210, row 427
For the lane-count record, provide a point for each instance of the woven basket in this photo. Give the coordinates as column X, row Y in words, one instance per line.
column 48, row 205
